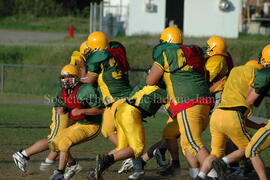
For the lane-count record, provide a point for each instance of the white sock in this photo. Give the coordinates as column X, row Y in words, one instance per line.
column 49, row 161
column 212, row 174
column 24, row 153
column 193, row 172
column 202, row 175
column 226, row 160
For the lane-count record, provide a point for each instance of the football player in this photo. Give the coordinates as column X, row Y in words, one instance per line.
column 182, row 68
column 259, row 96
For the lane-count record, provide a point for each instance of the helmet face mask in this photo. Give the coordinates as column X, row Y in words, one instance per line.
column 69, row 81
column 97, row 41
column 70, row 76
column 216, row 45
column 85, row 50
column 265, row 58
column 264, row 62
column 209, row 50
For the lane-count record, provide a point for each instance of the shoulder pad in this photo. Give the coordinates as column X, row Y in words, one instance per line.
column 158, row 49
column 99, row 56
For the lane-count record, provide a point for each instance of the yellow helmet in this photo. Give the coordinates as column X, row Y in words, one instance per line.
column 97, row 41
column 69, row 76
column 171, row 35
column 265, row 59
column 77, row 56
column 216, row 45
column 84, row 48
column 254, row 63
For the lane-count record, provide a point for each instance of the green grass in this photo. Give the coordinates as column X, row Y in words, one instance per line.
column 53, row 24
column 58, row 52
column 22, row 125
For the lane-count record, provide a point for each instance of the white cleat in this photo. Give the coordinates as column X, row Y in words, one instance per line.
column 72, row 170
column 45, row 166
column 20, row 161
column 127, row 166
column 136, row 175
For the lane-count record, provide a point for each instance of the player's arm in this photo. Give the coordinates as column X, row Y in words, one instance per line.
column 252, row 96
column 214, row 85
column 87, row 111
column 253, row 125
column 81, row 64
column 59, row 104
column 88, row 96
column 260, row 85
column 89, row 78
column 156, row 73
column 93, row 70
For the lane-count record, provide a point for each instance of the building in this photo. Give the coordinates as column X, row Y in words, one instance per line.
column 196, row 18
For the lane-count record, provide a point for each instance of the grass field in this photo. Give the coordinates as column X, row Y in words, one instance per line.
column 22, row 122
column 57, row 53
column 55, row 24
column 21, row 125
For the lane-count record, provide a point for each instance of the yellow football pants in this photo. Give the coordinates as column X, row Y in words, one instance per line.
column 259, row 142
column 224, row 125
column 59, row 122
column 108, row 122
column 192, row 122
column 74, row 134
column 130, row 129
column 171, row 130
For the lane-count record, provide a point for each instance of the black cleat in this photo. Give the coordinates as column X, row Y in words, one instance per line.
column 248, row 167
column 138, row 167
column 198, row 178
column 103, row 162
column 91, row 174
column 220, row 166
column 170, row 170
column 100, row 167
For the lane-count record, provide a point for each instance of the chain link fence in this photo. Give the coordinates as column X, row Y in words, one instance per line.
column 41, row 80
column 111, row 19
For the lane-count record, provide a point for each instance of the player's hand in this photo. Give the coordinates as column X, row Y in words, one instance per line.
column 77, row 112
column 60, row 110
column 80, row 63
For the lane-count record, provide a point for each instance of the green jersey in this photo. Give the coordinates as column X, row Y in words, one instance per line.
column 112, row 82
column 148, row 99
column 82, row 96
column 183, row 83
column 262, row 86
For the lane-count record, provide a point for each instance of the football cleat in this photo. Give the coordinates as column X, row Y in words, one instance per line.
column 20, row 161
column 127, row 166
column 161, row 159
column 72, row 170
column 45, row 166
column 136, row 175
column 57, row 175
column 220, row 166
column 170, row 170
